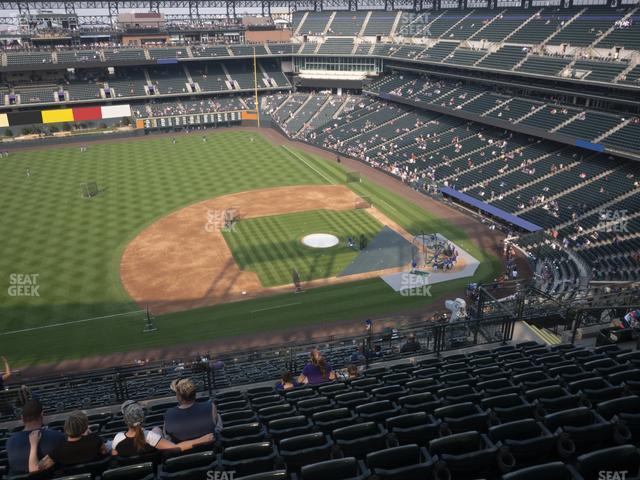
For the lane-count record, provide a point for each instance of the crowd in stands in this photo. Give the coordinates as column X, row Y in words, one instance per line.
column 36, row 448
column 189, row 107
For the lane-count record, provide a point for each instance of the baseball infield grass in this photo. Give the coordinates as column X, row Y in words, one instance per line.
column 271, row 246
column 73, row 245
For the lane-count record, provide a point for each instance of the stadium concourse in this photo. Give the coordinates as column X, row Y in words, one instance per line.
column 524, row 116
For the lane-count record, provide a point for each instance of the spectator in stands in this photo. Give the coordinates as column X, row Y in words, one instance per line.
column 190, row 419
column 412, row 345
column 286, row 382
column 352, row 372
column 18, row 443
column 81, row 445
column 317, row 370
column 7, row 372
column 138, row 441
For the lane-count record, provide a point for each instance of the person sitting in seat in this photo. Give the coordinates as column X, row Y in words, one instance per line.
column 18, row 445
column 317, row 370
column 190, row 419
column 138, row 441
column 286, row 382
column 412, row 345
column 81, row 446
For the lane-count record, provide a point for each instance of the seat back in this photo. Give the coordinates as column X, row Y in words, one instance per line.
column 621, row 458
column 339, row 469
column 457, row 444
column 518, row 430
column 188, row 461
column 131, row 472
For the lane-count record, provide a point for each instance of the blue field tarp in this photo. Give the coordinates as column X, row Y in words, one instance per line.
column 491, row 210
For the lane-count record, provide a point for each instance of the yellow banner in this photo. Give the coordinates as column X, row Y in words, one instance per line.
column 57, row 116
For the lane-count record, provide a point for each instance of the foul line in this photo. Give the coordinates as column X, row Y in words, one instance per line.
column 308, row 165
column 276, row 306
column 54, row 325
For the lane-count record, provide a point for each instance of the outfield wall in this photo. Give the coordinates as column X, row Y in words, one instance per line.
column 64, row 115
column 209, row 119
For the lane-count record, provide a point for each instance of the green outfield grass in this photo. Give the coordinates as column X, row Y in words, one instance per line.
column 271, row 246
column 74, row 245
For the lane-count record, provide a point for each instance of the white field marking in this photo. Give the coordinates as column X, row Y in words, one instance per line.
column 295, row 154
column 276, row 306
column 73, row 322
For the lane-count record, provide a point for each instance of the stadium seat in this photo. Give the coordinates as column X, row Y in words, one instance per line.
column 190, row 466
column 238, row 417
column 352, row 399
column 274, row 475
column 420, row 402
column 530, row 442
column 615, row 459
column 249, row 458
column 358, row 440
column 377, row 411
column 141, row 471
column 94, row 468
column 305, row 449
column 277, row 411
column 586, row 429
column 267, row 401
column 463, row 417
column 595, row 389
column 333, row 419
column 418, row 428
column 239, row 434
column 546, row 471
column 340, row 469
column 313, row 405
column 289, row 427
column 407, row 462
column 470, row 455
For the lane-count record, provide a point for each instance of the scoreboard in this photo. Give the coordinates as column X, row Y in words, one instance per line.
column 194, row 120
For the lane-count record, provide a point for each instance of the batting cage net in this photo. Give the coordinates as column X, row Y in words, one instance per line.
column 89, row 189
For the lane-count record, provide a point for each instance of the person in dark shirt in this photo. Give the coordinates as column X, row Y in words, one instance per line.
column 138, row 441
column 286, row 382
column 18, row 445
column 412, row 345
column 317, row 370
column 81, row 446
column 190, row 419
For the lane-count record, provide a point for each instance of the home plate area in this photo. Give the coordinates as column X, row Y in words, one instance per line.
column 423, row 275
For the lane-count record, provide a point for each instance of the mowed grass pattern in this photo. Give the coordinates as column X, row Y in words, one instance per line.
column 271, row 246
column 74, row 245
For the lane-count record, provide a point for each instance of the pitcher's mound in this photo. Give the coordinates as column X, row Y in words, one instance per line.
column 320, row 240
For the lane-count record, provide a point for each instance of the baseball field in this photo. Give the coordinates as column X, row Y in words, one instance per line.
column 64, row 256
